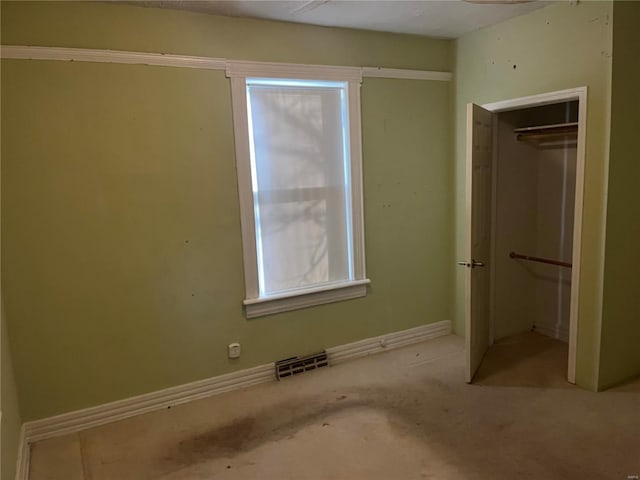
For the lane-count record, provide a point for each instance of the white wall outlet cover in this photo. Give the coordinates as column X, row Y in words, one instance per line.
column 234, row 350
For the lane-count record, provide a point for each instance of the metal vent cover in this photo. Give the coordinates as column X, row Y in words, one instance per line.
column 295, row 365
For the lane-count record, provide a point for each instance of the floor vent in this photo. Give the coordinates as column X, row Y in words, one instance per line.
column 296, row 365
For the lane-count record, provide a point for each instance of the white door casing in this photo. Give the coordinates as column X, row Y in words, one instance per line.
column 478, row 245
column 561, row 96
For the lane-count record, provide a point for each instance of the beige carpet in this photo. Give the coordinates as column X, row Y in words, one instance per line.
column 526, row 360
column 404, row 414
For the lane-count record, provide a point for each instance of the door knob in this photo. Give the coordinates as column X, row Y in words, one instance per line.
column 471, row 264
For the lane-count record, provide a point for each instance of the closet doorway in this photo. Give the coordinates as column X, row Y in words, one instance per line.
column 525, row 179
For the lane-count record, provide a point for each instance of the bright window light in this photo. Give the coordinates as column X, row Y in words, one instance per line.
column 301, row 183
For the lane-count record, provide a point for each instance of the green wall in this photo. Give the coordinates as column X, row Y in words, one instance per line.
column 620, row 355
column 9, row 405
column 558, row 47
column 11, row 420
column 121, row 232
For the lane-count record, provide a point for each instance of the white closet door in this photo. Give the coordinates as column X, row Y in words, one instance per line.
column 479, row 161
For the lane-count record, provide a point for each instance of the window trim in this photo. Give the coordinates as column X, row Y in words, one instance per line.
column 256, row 305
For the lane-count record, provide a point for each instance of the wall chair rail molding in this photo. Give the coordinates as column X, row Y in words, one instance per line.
column 379, row 72
column 110, row 56
column 21, row 52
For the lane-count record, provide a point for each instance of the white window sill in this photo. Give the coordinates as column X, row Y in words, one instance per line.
column 335, row 292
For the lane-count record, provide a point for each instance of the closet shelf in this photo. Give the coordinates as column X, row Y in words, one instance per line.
column 559, row 134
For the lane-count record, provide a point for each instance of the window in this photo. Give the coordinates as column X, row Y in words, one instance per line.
column 298, row 152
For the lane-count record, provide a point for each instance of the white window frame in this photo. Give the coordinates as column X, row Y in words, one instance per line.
column 255, row 304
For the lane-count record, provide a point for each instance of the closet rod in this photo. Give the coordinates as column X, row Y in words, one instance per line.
column 538, row 259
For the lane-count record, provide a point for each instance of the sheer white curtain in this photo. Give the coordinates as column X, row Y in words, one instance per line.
column 298, row 134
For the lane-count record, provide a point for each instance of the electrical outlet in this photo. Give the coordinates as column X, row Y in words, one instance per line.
column 234, row 350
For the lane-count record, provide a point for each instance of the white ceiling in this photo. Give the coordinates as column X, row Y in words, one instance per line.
column 434, row 18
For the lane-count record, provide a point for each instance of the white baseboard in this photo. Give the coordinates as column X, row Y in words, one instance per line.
column 111, row 412
column 389, row 341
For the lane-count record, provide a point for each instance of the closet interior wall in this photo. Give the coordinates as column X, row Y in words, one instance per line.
column 534, row 212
